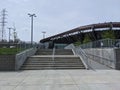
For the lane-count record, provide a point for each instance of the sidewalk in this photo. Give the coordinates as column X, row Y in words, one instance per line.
column 60, row 80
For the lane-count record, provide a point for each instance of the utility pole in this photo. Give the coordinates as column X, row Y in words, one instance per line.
column 3, row 22
column 44, row 34
column 31, row 15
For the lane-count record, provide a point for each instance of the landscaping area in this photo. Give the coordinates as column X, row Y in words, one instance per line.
column 10, row 51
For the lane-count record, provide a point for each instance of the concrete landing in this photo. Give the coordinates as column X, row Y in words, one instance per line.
column 60, row 80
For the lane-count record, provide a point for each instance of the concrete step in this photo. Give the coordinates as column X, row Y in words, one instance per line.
column 57, row 52
column 50, row 68
column 44, row 63
column 54, row 65
column 63, row 60
column 56, row 61
column 63, row 52
column 50, row 58
column 51, row 63
column 44, row 52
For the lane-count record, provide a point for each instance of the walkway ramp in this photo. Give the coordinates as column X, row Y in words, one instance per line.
column 63, row 59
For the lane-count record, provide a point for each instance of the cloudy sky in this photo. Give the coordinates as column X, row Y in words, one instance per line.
column 56, row 16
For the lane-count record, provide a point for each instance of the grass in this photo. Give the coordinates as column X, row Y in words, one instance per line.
column 9, row 51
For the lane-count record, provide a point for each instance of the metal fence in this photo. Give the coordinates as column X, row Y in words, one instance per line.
column 21, row 57
column 102, row 51
column 104, row 43
column 104, row 58
column 78, row 51
column 19, row 46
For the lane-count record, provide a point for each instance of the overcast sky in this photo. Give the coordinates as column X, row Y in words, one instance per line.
column 56, row 16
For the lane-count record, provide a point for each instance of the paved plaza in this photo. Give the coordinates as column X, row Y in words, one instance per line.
column 60, row 80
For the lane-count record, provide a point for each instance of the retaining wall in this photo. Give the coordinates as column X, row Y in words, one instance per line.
column 14, row 62
column 104, row 56
column 117, row 51
column 7, row 62
column 21, row 57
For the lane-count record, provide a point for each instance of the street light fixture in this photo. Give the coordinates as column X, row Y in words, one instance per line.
column 44, row 34
column 32, row 15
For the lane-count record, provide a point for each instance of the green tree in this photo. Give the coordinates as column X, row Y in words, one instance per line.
column 108, row 34
column 77, row 43
column 86, row 39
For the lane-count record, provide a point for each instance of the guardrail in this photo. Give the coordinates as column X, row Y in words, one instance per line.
column 103, row 56
column 83, row 57
column 78, row 51
column 21, row 57
column 53, row 54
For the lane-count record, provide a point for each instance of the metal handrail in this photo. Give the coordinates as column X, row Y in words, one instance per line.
column 78, row 51
column 83, row 56
column 53, row 54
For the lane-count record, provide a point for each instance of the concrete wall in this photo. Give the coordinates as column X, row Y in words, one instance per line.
column 104, row 56
column 14, row 62
column 21, row 57
column 109, row 57
column 7, row 62
column 117, row 51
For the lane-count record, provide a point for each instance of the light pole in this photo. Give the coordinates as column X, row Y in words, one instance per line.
column 44, row 34
column 31, row 15
column 9, row 33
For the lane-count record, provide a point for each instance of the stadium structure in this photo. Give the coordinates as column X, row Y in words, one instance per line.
column 93, row 31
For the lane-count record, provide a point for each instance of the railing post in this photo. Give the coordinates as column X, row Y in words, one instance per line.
column 53, row 54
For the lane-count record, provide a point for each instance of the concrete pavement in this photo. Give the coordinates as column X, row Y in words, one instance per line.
column 60, row 80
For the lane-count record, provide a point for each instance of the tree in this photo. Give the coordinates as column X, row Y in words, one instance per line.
column 108, row 34
column 77, row 43
column 86, row 39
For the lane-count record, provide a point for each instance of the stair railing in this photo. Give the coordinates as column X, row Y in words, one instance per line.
column 53, row 54
column 83, row 56
column 81, row 53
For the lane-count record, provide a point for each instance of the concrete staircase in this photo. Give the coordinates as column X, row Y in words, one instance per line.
column 44, row 52
column 63, row 52
column 63, row 59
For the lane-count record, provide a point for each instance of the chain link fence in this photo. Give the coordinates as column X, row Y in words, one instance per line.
column 104, row 43
column 16, row 47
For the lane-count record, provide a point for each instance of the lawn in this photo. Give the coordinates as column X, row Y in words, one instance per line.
column 9, row 51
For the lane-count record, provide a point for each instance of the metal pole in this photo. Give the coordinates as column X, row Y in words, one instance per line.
column 31, row 15
column 43, row 34
column 9, row 34
column 31, row 30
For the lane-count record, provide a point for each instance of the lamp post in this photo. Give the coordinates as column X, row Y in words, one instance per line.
column 44, row 34
column 9, row 33
column 31, row 15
